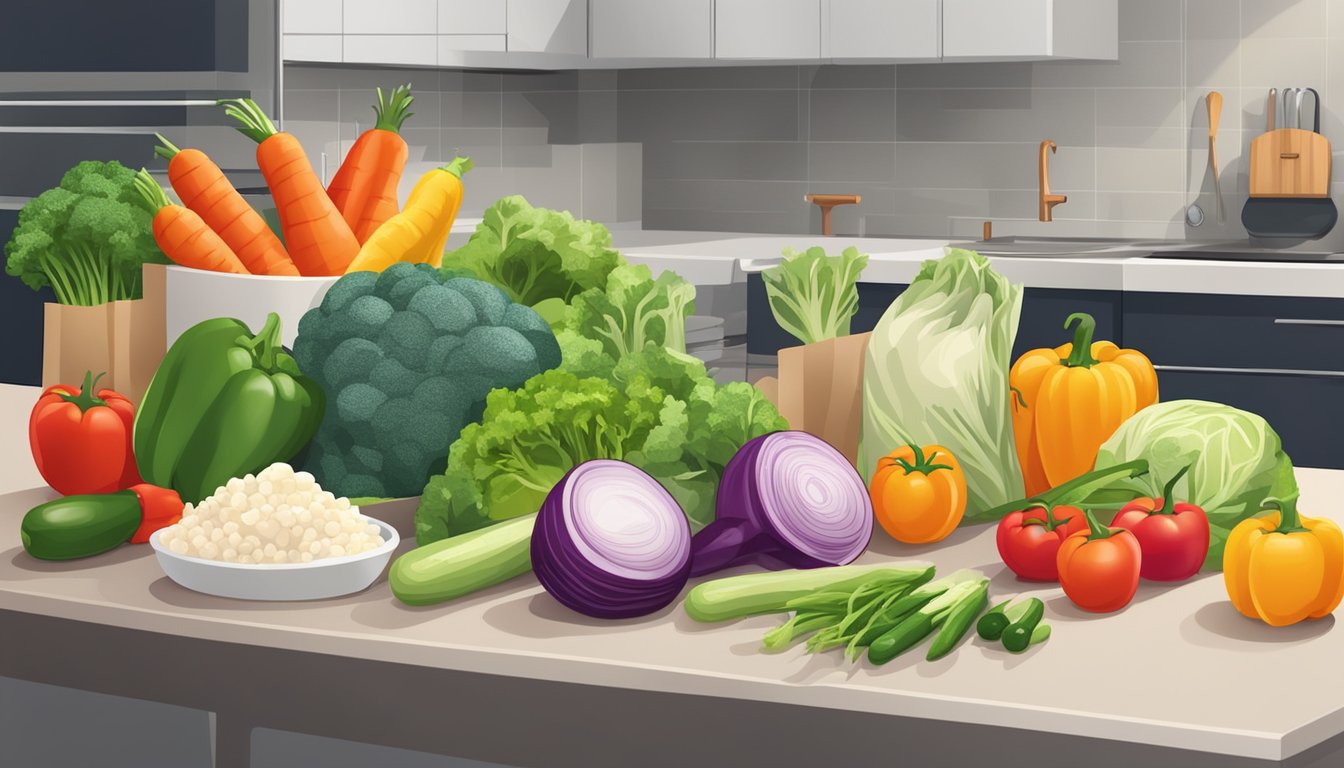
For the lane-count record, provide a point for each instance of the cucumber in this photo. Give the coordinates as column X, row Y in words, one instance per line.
column 457, row 566
column 80, row 526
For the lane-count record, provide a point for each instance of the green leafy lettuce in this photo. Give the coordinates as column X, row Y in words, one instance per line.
column 633, row 310
column 937, row 372
column 814, row 296
column 655, row 408
column 1236, row 461
column 537, row 256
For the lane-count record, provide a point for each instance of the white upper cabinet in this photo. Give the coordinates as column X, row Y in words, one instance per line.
column 651, row 29
column 548, row 26
column 612, row 34
column 767, row 29
column 1006, row 30
column 884, row 30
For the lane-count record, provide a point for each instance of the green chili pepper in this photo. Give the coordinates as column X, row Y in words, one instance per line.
column 958, row 622
column 992, row 624
column 1017, row 636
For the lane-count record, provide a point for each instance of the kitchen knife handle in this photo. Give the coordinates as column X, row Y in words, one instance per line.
column 1271, row 107
column 1316, row 121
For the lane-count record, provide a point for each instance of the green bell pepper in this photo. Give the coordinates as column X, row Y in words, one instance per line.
column 224, row 403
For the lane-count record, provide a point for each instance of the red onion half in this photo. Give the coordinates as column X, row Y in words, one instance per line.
column 786, row 498
column 611, row 542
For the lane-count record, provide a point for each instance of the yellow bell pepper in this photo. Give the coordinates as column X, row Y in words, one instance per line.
column 1283, row 568
column 1070, row 399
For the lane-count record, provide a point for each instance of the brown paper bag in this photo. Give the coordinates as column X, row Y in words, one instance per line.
column 123, row 339
column 820, row 390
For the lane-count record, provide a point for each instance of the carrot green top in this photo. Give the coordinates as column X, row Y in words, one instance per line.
column 153, row 194
column 391, row 108
column 252, row 121
column 458, row 166
column 166, row 149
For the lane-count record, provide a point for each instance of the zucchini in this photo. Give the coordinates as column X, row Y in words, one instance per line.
column 80, row 526
column 454, row 567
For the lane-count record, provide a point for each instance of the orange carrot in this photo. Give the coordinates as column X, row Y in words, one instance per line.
column 365, row 186
column 204, row 189
column 183, row 235
column 319, row 240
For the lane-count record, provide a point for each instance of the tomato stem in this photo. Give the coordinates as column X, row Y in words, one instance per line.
column 1095, row 529
column 1168, row 505
column 1081, row 354
column 922, row 464
column 86, row 399
column 1050, row 523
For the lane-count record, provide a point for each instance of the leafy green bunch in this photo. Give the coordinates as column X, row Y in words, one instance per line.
column 87, row 238
column 654, row 408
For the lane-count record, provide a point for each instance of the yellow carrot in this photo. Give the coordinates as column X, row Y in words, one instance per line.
column 419, row 233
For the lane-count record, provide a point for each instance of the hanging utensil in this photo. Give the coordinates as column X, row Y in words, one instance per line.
column 1271, row 108
column 1214, row 101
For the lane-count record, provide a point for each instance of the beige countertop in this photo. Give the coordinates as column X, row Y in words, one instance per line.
column 719, row 258
column 1177, row 668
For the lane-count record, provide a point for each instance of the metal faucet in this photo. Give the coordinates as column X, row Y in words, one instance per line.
column 1048, row 201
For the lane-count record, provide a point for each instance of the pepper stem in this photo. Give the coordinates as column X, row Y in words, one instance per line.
column 266, row 344
column 86, row 399
column 1169, row 506
column 1081, row 354
column 1289, row 519
column 1095, row 529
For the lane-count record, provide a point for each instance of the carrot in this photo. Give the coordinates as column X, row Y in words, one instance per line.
column 204, row 189
column 183, row 235
column 320, row 242
column 418, row 233
column 365, row 186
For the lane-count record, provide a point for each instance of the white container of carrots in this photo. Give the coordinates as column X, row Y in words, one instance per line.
column 195, row 295
column 228, row 261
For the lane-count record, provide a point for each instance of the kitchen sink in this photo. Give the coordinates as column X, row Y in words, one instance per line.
column 1062, row 247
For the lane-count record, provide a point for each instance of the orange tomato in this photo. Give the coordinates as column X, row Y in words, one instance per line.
column 919, row 494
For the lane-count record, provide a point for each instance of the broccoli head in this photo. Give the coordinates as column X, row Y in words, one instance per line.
column 86, row 238
column 407, row 358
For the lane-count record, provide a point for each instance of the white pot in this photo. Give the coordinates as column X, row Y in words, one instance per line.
column 194, row 295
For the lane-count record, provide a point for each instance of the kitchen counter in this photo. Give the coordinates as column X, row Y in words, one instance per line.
column 1177, row 670
column 716, row 258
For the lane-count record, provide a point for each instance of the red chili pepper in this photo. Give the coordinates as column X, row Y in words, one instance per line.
column 1029, row 539
column 159, row 508
column 1174, row 536
column 82, row 442
column 1099, row 567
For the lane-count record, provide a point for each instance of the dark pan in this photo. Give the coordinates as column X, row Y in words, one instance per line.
column 1301, row 218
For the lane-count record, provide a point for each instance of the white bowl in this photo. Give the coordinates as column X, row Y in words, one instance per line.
column 194, row 295
column 331, row 577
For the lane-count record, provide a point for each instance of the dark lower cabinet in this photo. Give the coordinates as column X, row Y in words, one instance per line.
column 1044, row 311
column 1279, row 356
column 1306, row 411
column 21, row 313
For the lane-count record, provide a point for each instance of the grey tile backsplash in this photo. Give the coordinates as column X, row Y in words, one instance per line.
column 935, row 149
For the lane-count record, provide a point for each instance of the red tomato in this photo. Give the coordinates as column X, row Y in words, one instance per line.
column 1029, row 540
column 1099, row 567
column 82, row 442
column 1174, row 536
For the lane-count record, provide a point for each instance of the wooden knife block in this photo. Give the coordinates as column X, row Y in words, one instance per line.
column 1290, row 162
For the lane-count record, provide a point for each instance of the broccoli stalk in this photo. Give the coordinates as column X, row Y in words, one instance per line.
column 87, row 238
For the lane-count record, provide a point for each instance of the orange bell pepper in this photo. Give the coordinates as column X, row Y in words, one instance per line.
column 1071, row 399
column 1283, row 568
column 916, row 500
